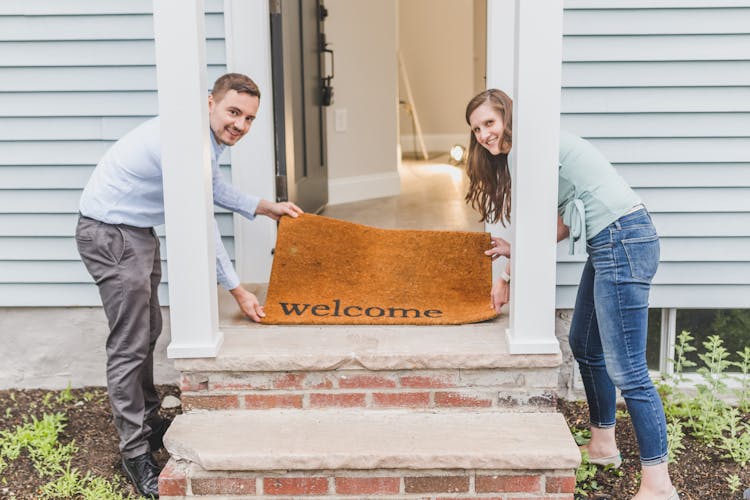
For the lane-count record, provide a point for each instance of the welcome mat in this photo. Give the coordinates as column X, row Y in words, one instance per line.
column 330, row 272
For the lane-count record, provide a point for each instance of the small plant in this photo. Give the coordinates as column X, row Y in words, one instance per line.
column 47, row 400
column 581, row 436
column 39, row 438
column 706, row 415
column 66, row 395
column 682, row 347
column 736, row 441
column 71, row 485
column 621, row 414
column 743, row 393
column 585, row 476
column 675, row 435
column 734, row 483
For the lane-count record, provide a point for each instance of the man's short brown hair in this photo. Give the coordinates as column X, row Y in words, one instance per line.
column 238, row 82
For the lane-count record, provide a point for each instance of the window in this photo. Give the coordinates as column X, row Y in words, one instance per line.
column 731, row 325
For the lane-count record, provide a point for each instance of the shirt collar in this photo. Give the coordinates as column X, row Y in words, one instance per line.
column 215, row 146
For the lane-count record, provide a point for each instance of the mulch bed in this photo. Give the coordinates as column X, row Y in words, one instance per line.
column 700, row 473
column 88, row 423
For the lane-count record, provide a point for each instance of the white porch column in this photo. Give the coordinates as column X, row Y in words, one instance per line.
column 536, row 130
column 248, row 44
column 179, row 34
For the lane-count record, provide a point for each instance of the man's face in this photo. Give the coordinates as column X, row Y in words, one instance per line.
column 231, row 116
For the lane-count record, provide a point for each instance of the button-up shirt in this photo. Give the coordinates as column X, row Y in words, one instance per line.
column 126, row 188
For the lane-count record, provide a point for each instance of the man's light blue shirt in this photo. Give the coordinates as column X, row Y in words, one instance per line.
column 126, row 188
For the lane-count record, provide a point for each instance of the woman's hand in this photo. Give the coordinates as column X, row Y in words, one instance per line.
column 500, row 248
column 500, row 294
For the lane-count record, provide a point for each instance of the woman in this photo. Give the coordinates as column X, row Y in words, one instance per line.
column 596, row 208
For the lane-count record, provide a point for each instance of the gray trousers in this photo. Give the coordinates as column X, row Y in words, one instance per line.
column 126, row 265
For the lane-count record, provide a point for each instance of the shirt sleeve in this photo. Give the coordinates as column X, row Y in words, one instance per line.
column 229, row 197
column 225, row 273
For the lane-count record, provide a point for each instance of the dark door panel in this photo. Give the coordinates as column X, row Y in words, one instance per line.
column 297, row 44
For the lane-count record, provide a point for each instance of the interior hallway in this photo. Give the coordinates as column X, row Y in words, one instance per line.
column 432, row 197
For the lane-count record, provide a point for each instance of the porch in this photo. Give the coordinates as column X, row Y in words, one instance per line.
column 382, row 412
column 346, row 412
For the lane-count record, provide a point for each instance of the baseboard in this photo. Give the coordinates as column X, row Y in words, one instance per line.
column 363, row 187
column 435, row 143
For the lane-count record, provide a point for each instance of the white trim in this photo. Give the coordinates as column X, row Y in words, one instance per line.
column 532, row 344
column 435, row 143
column 188, row 350
column 667, row 340
column 363, row 187
column 500, row 74
column 186, row 166
column 501, row 15
column 248, row 46
column 653, row 4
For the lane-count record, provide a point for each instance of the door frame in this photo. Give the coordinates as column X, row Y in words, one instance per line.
column 248, row 47
column 248, row 50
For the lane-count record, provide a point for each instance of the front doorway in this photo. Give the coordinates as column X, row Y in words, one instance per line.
column 368, row 140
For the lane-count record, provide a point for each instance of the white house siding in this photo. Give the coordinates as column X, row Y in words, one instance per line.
column 662, row 87
column 74, row 77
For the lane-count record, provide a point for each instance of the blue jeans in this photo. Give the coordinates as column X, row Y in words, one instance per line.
column 609, row 328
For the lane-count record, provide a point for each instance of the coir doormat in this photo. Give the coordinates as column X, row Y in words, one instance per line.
column 330, row 272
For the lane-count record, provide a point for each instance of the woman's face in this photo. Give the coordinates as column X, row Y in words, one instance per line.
column 487, row 127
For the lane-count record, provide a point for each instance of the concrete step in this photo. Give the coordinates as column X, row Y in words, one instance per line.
column 355, row 439
column 396, row 453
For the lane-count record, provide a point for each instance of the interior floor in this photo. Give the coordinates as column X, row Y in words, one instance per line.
column 432, row 197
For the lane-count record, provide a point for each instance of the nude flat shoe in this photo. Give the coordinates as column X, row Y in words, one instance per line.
column 615, row 461
column 674, row 495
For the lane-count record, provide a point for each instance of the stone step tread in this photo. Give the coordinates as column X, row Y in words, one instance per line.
column 254, row 440
column 310, row 348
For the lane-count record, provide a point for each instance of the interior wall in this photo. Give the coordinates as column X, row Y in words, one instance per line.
column 436, row 39
column 480, row 46
column 362, row 131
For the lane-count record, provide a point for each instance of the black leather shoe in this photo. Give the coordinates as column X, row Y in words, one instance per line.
column 158, row 429
column 142, row 473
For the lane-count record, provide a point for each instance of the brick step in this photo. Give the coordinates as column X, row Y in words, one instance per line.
column 380, row 453
column 466, row 366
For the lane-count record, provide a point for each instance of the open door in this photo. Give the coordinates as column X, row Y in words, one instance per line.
column 301, row 90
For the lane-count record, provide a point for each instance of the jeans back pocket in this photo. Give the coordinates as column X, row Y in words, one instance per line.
column 643, row 256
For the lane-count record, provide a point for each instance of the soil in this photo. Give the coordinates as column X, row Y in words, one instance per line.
column 88, row 423
column 700, row 472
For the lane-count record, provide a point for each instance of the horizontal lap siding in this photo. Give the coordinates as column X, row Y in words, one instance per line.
column 74, row 77
column 662, row 87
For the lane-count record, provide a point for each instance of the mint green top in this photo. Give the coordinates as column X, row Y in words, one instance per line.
column 591, row 194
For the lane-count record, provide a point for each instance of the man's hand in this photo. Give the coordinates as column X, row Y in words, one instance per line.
column 276, row 210
column 248, row 303
column 500, row 294
column 500, row 248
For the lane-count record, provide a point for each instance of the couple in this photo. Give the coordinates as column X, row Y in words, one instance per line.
column 596, row 208
column 123, row 201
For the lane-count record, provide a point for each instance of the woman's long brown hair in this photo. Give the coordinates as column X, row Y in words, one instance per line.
column 489, row 176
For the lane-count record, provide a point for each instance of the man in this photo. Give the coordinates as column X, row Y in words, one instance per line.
column 120, row 206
